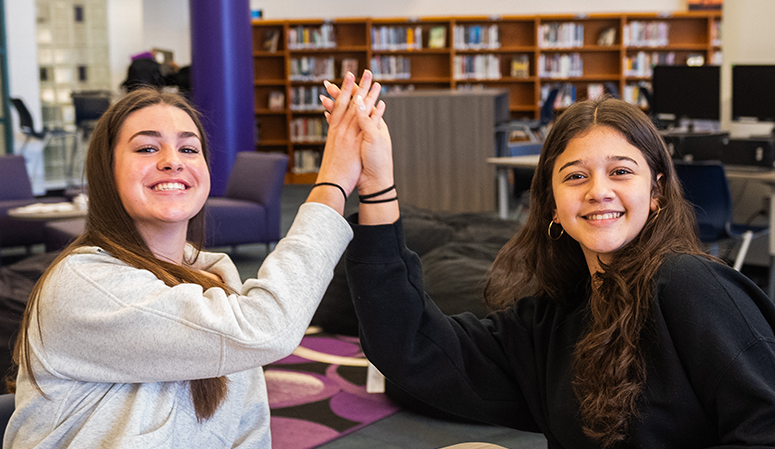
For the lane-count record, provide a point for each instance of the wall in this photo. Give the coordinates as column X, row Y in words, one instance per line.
column 747, row 38
column 126, row 36
column 22, row 56
column 282, row 9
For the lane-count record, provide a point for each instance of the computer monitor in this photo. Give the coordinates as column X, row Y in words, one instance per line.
column 753, row 93
column 686, row 92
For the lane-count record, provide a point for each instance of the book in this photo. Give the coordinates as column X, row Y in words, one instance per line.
column 437, row 37
column 349, row 65
column 276, row 100
column 520, row 66
column 595, row 91
column 271, row 39
column 607, row 37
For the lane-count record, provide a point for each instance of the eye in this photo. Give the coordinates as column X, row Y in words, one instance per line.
column 575, row 176
column 189, row 150
column 621, row 171
column 146, row 149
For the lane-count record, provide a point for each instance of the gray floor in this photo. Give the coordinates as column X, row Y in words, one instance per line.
column 404, row 430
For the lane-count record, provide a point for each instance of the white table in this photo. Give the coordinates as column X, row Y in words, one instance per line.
column 766, row 177
column 20, row 213
column 502, row 166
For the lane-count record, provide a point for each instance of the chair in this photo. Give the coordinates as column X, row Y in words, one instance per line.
column 249, row 211
column 16, row 191
column 706, row 187
column 7, row 407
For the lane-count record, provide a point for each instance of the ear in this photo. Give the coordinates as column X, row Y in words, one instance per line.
column 654, row 200
column 555, row 218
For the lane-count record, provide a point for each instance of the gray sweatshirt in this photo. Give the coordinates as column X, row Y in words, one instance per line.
column 118, row 346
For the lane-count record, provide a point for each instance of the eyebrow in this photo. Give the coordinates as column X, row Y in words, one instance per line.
column 151, row 133
column 610, row 158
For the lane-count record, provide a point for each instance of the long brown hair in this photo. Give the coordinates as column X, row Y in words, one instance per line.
column 609, row 369
column 109, row 226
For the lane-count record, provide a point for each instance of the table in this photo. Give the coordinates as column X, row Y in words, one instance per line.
column 47, row 212
column 767, row 177
column 502, row 166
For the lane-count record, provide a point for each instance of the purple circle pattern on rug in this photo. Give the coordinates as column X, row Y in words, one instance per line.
column 327, row 345
column 289, row 388
column 290, row 433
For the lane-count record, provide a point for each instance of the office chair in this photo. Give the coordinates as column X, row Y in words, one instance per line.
column 706, row 187
column 27, row 126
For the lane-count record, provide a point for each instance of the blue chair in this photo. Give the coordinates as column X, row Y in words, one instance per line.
column 706, row 187
column 249, row 211
column 7, row 406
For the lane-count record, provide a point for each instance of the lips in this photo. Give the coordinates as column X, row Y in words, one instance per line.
column 604, row 216
column 167, row 186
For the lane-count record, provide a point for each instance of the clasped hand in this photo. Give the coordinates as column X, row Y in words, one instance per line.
column 358, row 151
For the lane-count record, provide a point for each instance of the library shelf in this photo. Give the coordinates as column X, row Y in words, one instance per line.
column 426, row 52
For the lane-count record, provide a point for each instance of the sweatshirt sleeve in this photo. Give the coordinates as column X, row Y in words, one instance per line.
column 104, row 321
column 456, row 363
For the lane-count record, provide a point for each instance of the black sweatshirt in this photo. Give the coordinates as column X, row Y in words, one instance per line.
column 709, row 350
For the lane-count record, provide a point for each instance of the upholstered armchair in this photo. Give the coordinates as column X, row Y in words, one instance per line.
column 249, row 211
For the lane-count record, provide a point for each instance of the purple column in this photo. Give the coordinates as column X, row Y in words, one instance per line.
column 222, row 81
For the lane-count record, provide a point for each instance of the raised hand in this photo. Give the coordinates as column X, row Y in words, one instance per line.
column 341, row 164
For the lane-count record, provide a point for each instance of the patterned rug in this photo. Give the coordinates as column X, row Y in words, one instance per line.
column 319, row 393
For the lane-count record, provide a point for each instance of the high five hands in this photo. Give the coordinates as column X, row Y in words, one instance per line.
column 358, row 149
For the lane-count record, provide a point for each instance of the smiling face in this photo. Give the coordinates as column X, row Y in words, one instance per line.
column 602, row 191
column 160, row 170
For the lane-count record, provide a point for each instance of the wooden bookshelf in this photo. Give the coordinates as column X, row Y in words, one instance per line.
column 691, row 34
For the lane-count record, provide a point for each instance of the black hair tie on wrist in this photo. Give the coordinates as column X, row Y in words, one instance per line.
column 341, row 189
column 372, row 195
column 386, row 200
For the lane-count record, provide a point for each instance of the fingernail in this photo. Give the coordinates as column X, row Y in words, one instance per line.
column 322, row 98
column 359, row 103
column 326, row 84
column 350, row 75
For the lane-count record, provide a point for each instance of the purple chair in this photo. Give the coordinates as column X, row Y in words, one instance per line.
column 16, row 191
column 249, row 211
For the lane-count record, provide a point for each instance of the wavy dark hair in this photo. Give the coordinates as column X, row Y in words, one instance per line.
column 609, row 370
column 109, row 226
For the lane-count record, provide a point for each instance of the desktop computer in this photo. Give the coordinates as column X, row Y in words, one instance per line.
column 751, row 151
column 696, row 146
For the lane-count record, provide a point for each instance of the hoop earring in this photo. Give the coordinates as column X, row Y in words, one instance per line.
column 549, row 231
column 659, row 209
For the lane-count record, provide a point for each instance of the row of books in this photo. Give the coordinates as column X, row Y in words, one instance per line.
column 476, row 37
column 306, row 37
column 390, row 67
column 309, row 130
column 566, row 94
column 561, row 35
column 396, row 38
column 654, row 33
column 306, row 161
column 307, row 98
column 642, row 63
column 487, row 66
column 560, row 65
column 311, row 68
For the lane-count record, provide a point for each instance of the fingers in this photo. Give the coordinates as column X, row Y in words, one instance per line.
column 343, row 98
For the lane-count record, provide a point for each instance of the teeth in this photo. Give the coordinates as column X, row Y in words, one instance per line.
column 169, row 186
column 604, row 216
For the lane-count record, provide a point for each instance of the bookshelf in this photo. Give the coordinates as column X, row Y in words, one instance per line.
column 522, row 54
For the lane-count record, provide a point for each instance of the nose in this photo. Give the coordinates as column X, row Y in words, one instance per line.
column 169, row 160
column 600, row 189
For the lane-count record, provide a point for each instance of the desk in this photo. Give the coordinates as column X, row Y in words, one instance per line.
column 503, row 165
column 47, row 212
column 766, row 177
